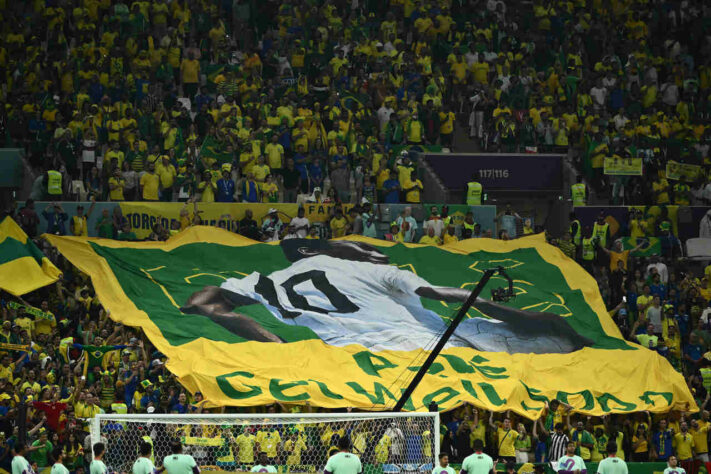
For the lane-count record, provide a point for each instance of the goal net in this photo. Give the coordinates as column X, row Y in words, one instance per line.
column 386, row 443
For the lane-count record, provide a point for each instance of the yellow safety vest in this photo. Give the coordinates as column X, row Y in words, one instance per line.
column 54, row 183
column 588, row 249
column 578, row 191
column 577, row 235
column 119, row 408
column 706, row 377
column 474, row 193
column 600, row 231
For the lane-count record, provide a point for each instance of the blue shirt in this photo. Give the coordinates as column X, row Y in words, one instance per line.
column 225, row 190
column 682, row 320
column 541, row 454
column 316, row 173
column 55, row 222
column 694, row 351
column 662, row 442
column 659, row 290
column 249, row 191
column 392, row 188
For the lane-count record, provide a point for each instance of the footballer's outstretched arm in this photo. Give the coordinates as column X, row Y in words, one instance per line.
column 217, row 304
column 530, row 322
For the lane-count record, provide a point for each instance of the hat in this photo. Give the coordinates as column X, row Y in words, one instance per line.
column 272, row 210
column 707, row 356
column 157, row 362
column 317, row 189
column 133, row 340
column 364, row 200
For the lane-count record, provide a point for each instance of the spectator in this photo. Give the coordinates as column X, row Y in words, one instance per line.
column 55, row 217
column 300, row 223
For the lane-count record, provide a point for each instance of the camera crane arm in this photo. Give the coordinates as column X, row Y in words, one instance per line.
column 471, row 299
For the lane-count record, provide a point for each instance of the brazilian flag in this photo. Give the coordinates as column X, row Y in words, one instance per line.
column 212, row 148
column 23, row 266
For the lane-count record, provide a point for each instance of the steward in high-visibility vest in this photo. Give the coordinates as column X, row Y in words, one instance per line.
column 600, row 230
column 474, row 190
column 578, row 192
column 54, row 183
column 589, row 249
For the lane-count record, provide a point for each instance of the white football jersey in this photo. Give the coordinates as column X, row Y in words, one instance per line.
column 350, row 302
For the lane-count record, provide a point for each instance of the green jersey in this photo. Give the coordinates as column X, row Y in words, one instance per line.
column 478, row 463
column 443, row 470
column 20, row 465
column 41, row 454
column 674, row 470
column 178, row 464
column 571, row 463
column 97, row 467
column 612, row 465
column 58, row 468
column 143, row 466
column 261, row 468
column 344, row 463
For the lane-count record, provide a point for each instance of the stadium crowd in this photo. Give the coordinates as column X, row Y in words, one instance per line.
column 219, row 101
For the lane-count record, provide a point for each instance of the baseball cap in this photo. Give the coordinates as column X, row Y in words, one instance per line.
column 272, row 210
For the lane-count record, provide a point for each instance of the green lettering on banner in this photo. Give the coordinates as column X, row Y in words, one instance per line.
column 463, row 367
column 326, row 391
column 277, row 389
column 364, row 359
column 492, row 394
column 647, row 397
column 533, row 394
column 435, row 368
column 586, row 394
column 448, row 392
column 459, row 365
column 467, row 385
column 376, row 398
column 231, row 392
column 605, row 398
column 488, row 390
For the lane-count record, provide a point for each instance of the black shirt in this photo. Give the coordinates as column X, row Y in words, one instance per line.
column 291, row 178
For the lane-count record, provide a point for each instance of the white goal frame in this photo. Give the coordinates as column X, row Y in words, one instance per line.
column 262, row 418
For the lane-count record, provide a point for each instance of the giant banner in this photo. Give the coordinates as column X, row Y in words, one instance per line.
column 343, row 323
column 510, row 172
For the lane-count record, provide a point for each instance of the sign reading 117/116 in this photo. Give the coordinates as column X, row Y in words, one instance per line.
column 494, row 173
column 515, row 172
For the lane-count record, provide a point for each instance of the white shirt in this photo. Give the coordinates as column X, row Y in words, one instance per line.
column 612, row 465
column 410, row 235
column 436, row 224
column 571, row 463
column 397, row 438
column 21, row 466
column 384, row 116
column 598, row 94
column 375, row 305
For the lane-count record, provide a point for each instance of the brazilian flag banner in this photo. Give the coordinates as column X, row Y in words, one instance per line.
column 348, row 322
column 23, row 266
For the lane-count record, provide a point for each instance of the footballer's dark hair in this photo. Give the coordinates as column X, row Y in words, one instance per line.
column 297, row 249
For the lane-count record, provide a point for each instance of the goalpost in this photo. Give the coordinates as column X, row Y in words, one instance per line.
column 386, row 443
